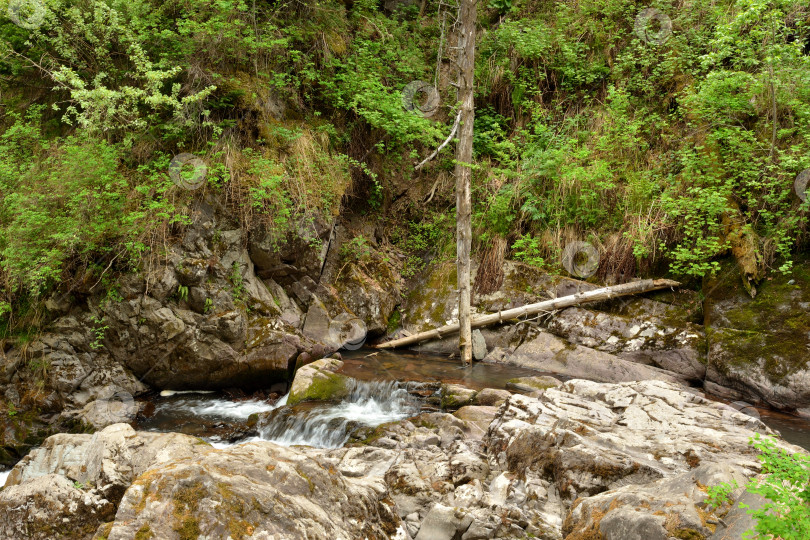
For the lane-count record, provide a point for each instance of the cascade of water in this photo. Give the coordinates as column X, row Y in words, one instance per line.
column 329, row 425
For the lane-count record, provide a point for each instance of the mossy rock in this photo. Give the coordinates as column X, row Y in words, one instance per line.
column 455, row 396
column 760, row 347
column 319, row 382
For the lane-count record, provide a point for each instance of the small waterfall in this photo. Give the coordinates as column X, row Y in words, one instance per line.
column 329, row 425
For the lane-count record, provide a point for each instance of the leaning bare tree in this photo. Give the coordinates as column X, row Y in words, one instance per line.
column 466, row 56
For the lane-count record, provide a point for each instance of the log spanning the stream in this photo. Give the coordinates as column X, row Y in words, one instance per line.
column 596, row 295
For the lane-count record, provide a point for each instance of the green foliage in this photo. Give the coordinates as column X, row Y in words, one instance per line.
column 527, row 248
column 786, row 485
column 581, row 127
column 356, row 250
column 98, row 332
column 182, row 293
column 237, row 282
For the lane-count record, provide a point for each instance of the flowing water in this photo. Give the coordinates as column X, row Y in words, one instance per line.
column 3, row 476
column 323, row 425
column 379, row 396
column 328, row 426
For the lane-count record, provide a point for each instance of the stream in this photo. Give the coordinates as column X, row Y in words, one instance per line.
column 381, row 395
column 390, row 386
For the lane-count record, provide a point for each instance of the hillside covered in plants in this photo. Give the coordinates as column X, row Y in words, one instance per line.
column 221, row 222
column 665, row 150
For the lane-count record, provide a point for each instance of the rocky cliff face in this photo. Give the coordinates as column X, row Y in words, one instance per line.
column 222, row 307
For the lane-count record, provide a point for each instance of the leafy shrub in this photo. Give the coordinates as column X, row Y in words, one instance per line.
column 786, row 485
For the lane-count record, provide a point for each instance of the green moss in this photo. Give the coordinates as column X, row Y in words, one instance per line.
column 454, row 401
column 325, row 386
column 186, row 500
column 144, row 533
column 394, row 321
column 688, row 534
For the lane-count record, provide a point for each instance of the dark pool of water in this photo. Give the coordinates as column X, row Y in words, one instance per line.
column 793, row 429
column 405, row 366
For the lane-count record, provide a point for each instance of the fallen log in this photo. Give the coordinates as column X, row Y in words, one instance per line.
column 595, row 295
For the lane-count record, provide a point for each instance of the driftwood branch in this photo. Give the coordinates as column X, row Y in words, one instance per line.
column 445, row 143
column 596, row 295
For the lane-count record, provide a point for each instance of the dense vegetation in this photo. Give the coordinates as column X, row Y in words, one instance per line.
column 664, row 152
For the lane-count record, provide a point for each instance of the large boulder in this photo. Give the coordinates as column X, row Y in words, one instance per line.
column 758, row 347
column 257, row 490
column 549, row 353
column 52, row 506
column 678, row 348
column 109, row 460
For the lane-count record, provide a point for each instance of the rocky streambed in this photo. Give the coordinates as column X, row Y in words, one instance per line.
column 576, row 459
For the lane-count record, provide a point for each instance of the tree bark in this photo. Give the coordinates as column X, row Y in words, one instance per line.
column 595, row 295
column 463, row 172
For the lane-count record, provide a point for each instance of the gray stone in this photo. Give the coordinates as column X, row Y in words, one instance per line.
column 479, row 345
column 546, row 352
column 491, row 396
column 444, row 523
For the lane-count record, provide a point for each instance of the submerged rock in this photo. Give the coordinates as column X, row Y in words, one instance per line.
column 532, row 384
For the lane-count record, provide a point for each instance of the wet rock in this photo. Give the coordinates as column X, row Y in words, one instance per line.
column 455, row 396
column 532, row 384
column 491, row 396
column 758, row 348
column 319, row 382
column 546, row 352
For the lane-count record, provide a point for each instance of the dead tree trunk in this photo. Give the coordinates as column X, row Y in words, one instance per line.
column 595, row 295
column 466, row 48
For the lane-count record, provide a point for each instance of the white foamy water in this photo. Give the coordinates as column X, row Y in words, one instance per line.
column 219, row 408
column 3, row 476
column 322, row 425
column 329, row 426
